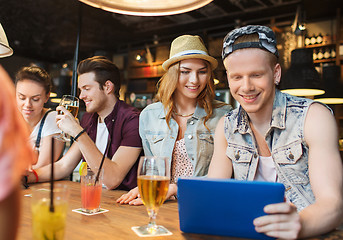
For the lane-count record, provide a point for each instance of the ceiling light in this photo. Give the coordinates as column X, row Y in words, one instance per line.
column 53, row 94
column 298, row 25
column 138, row 57
column 147, row 7
column 302, row 79
column 55, row 100
column 304, row 92
column 216, row 81
column 302, row 27
column 5, row 49
column 330, row 101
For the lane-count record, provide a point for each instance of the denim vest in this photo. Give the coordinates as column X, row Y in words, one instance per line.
column 159, row 140
column 286, row 142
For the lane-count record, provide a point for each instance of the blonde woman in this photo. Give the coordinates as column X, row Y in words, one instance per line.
column 181, row 124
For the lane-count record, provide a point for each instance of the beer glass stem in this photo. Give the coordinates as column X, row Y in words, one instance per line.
column 152, row 220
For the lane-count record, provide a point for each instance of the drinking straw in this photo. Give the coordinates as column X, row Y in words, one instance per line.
column 52, row 177
column 102, row 161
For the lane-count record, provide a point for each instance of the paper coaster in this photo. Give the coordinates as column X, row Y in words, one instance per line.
column 79, row 210
column 167, row 232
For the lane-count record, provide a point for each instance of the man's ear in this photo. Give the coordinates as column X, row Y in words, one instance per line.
column 277, row 74
column 109, row 86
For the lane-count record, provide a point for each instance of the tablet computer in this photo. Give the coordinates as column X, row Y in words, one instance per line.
column 225, row 207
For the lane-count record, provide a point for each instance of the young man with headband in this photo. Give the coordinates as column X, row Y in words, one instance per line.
column 276, row 137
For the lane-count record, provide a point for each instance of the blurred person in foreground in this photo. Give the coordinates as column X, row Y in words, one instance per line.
column 277, row 137
column 181, row 124
column 32, row 92
column 108, row 127
column 15, row 157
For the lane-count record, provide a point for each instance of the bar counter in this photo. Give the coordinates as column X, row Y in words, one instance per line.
column 117, row 223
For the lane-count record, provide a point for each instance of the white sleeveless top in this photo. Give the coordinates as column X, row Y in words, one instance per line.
column 266, row 170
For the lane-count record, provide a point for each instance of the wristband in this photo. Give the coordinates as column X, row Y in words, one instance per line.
column 78, row 135
column 36, row 175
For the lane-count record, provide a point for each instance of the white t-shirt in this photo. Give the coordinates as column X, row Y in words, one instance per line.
column 101, row 136
column 49, row 128
column 265, row 170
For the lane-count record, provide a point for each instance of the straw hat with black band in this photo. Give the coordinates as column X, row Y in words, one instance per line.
column 188, row 47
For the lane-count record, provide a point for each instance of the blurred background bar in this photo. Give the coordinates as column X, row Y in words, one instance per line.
column 58, row 34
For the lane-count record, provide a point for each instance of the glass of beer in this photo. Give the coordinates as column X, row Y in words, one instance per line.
column 153, row 183
column 70, row 103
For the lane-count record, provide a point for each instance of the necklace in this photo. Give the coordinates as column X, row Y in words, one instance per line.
column 181, row 115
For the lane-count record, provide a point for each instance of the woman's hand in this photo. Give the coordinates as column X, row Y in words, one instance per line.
column 282, row 221
column 133, row 197
column 172, row 191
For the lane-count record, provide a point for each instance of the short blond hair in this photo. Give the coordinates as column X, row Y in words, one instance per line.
column 255, row 38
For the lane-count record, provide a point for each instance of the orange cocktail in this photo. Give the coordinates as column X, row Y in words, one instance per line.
column 90, row 189
column 90, row 197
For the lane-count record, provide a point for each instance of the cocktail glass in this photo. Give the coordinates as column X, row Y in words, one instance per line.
column 91, row 191
column 47, row 225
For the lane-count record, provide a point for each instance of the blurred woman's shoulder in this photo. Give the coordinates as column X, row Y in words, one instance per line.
column 220, row 106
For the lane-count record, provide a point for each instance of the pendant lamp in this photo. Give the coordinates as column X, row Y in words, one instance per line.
column 5, row 49
column 332, row 85
column 147, row 7
column 302, row 79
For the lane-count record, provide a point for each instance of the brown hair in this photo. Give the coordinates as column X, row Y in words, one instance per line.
column 167, row 86
column 36, row 74
column 103, row 69
column 255, row 38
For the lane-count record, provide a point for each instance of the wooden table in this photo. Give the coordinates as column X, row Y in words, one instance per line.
column 117, row 223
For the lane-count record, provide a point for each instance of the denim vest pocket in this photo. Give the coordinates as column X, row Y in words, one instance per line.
column 156, row 141
column 155, row 138
column 239, row 154
column 292, row 163
column 207, row 137
column 289, row 154
column 241, row 158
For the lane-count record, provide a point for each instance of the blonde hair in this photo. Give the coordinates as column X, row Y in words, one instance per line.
column 167, row 86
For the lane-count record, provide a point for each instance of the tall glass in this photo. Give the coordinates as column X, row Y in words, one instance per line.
column 153, row 183
column 91, row 191
column 70, row 103
column 48, row 225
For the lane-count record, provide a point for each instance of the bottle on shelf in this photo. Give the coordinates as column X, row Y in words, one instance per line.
column 333, row 53
column 327, row 53
column 315, row 54
column 307, row 40
column 320, row 54
column 319, row 39
column 313, row 39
